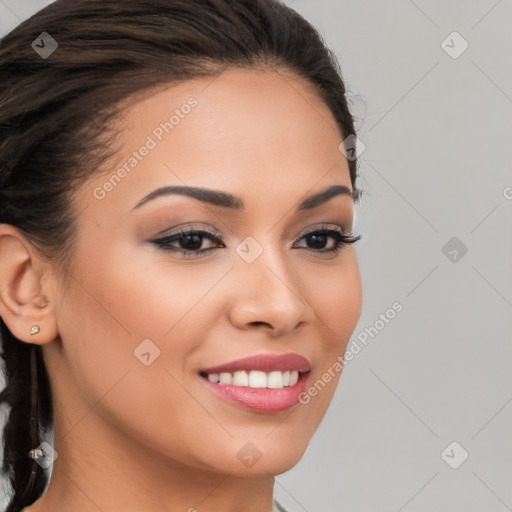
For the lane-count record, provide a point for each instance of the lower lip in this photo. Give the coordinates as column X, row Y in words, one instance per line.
column 265, row 400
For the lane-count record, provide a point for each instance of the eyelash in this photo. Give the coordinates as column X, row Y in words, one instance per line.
column 340, row 237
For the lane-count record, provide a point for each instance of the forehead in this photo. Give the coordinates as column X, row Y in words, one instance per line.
column 259, row 100
column 244, row 130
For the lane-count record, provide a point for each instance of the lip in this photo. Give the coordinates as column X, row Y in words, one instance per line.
column 262, row 400
column 264, row 363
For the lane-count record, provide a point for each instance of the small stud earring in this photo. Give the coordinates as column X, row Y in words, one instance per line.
column 35, row 329
column 36, row 453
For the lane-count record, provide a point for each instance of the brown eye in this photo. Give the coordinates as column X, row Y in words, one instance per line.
column 318, row 238
column 189, row 241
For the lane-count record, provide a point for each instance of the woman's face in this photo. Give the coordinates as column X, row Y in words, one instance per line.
column 141, row 322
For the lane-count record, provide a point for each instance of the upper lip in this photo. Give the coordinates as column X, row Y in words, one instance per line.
column 264, row 363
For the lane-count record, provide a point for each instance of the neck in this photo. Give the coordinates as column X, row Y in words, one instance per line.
column 99, row 468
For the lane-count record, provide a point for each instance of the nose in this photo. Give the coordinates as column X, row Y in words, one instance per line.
column 269, row 295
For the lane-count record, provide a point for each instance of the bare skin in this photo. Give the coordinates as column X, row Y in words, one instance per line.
column 133, row 437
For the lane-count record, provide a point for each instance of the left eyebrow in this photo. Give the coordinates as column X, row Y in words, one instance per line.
column 225, row 200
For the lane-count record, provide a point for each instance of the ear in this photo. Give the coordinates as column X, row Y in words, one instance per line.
column 25, row 291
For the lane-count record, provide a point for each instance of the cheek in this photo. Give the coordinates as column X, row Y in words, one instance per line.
column 336, row 299
column 143, row 303
column 103, row 319
column 147, row 294
column 337, row 304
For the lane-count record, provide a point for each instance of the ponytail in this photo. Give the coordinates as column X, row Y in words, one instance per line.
column 28, row 396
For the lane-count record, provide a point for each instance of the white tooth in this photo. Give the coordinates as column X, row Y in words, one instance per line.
column 275, row 380
column 257, row 379
column 294, row 377
column 213, row 377
column 226, row 378
column 240, row 379
column 286, row 378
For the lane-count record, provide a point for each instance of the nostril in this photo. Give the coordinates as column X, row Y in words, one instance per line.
column 259, row 323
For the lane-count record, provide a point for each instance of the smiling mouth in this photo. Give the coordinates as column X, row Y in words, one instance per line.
column 255, row 378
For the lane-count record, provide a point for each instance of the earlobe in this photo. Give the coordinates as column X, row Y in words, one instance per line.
column 24, row 303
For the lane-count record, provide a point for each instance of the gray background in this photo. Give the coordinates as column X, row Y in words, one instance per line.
column 436, row 165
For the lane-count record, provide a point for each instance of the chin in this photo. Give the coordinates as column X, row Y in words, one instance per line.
column 273, row 459
column 281, row 466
